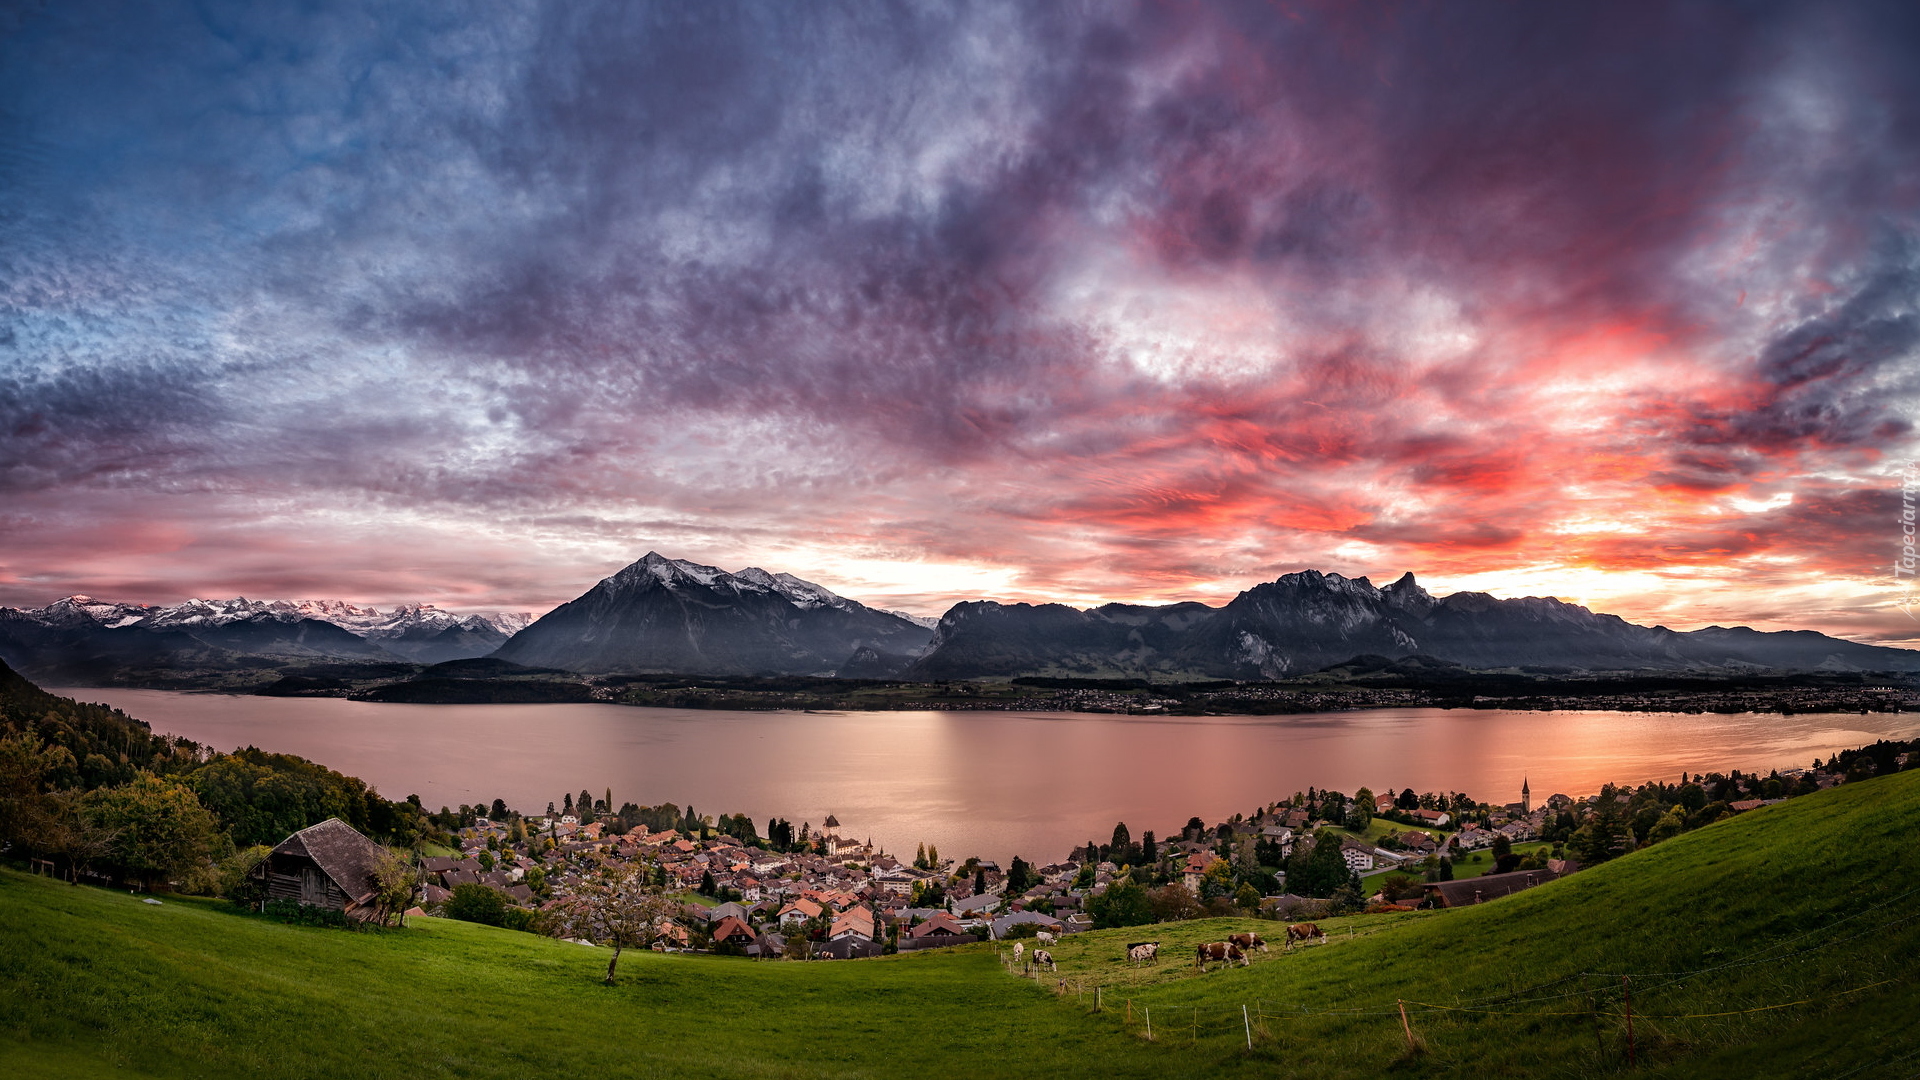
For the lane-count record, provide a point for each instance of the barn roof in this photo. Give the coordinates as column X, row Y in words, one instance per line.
column 341, row 853
column 1465, row 891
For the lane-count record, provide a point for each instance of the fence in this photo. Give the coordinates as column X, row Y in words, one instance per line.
column 1604, row 1000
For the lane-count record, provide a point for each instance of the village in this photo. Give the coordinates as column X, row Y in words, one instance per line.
column 826, row 893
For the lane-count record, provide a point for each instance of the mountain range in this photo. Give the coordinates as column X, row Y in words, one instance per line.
column 662, row 615
column 1307, row 621
column 80, row 639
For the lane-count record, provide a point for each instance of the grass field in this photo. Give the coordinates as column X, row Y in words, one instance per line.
column 1778, row 944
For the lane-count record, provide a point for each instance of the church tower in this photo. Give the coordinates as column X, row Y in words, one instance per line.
column 1526, row 797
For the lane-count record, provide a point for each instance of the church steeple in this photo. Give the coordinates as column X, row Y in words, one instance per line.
column 1526, row 797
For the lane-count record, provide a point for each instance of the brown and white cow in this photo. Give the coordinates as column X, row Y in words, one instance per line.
column 1043, row 958
column 1249, row 941
column 1302, row 932
column 1216, row 951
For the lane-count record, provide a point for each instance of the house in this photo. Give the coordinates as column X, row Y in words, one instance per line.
column 1196, row 869
column 1007, row 922
column 940, row 924
column 799, row 911
column 726, row 910
column 1436, row 818
column 854, row 922
column 1359, row 856
column 732, row 931
column 328, row 865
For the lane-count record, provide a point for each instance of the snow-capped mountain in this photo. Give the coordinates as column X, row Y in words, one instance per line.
column 366, row 622
column 79, row 634
column 662, row 614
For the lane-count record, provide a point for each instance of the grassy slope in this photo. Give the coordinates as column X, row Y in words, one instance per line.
column 1814, row 890
column 1812, row 899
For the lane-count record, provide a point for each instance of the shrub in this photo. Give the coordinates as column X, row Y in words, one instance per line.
column 482, row 904
column 292, row 911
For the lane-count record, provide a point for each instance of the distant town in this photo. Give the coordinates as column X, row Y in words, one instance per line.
column 824, row 892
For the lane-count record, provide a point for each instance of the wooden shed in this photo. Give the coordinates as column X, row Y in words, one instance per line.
column 327, row 865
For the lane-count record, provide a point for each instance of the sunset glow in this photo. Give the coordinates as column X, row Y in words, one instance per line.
column 1140, row 303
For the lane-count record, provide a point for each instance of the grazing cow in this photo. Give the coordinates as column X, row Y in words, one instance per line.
column 1302, row 932
column 1045, row 938
column 1143, row 952
column 1043, row 958
column 1249, row 942
column 1216, row 951
column 1017, row 950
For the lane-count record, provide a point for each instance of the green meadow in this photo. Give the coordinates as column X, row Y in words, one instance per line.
column 1782, row 943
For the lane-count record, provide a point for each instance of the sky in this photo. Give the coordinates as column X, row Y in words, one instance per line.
column 474, row 303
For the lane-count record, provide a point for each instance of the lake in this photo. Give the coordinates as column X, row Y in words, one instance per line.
column 992, row 784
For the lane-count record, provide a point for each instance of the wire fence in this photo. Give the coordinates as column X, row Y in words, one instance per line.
column 1609, row 997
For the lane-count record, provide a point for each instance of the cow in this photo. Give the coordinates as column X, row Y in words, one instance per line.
column 1303, row 932
column 1249, row 941
column 1043, row 958
column 1017, row 950
column 1143, row 952
column 1216, row 951
column 1045, row 938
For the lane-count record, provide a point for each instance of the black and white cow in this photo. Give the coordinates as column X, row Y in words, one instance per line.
column 1043, row 958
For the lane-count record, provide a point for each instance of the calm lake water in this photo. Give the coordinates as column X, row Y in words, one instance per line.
column 992, row 784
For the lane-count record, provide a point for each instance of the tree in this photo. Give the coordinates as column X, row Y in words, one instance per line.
column 498, row 811
column 1502, row 846
column 395, row 881
column 1174, row 902
column 706, row 883
column 1122, row 846
column 1318, row 869
column 1360, row 815
column 1123, row 904
column 474, row 903
column 920, row 857
column 584, row 805
column 28, row 811
column 1019, row 877
column 160, row 831
column 1247, row 896
column 1149, row 849
column 621, row 911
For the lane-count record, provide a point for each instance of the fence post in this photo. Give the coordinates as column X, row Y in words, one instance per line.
column 1249, row 1026
column 1626, row 992
column 1148, row 1009
column 1404, row 1026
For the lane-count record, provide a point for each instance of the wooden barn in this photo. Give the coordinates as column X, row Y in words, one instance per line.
column 327, row 865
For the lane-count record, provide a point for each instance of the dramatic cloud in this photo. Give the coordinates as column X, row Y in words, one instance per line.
column 472, row 304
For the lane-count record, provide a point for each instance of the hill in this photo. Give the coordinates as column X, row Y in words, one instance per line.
column 1778, row 943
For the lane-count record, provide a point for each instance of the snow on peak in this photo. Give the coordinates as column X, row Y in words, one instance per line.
column 367, row 622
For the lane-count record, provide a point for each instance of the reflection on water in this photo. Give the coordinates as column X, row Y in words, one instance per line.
column 987, row 783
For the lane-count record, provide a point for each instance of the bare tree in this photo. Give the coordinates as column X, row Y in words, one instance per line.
column 622, row 910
